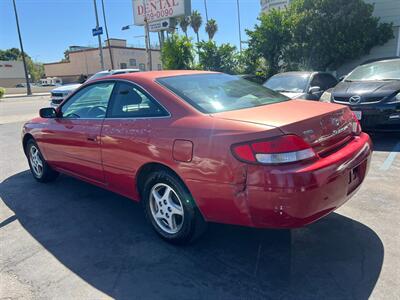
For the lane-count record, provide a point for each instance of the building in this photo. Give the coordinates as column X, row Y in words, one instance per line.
column 267, row 5
column 11, row 73
column 86, row 60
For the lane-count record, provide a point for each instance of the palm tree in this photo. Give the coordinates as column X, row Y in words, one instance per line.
column 211, row 28
column 184, row 23
column 195, row 22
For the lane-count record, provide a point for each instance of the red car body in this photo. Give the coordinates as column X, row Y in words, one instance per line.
column 112, row 153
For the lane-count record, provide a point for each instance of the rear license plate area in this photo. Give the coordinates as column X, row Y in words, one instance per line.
column 355, row 177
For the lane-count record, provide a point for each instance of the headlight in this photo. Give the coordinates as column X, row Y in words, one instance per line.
column 326, row 97
column 398, row 97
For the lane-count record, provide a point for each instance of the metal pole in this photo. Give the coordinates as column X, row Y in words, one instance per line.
column 28, row 85
column 97, row 27
column 240, row 31
column 205, row 6
column 108, row 38
column 147, row 34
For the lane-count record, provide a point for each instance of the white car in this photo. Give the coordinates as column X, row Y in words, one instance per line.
column 60, row 93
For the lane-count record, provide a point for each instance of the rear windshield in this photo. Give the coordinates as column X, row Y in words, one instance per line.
column 211, row 93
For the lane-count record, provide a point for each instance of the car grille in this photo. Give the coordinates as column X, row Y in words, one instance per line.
column 363, row 99
column 56, row 101
column 57, row 94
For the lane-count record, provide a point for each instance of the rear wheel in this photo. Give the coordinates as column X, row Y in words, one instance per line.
column 170, row 208
column 40, row 170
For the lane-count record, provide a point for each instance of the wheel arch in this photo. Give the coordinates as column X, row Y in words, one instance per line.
column 148, row 168
column 25, row 140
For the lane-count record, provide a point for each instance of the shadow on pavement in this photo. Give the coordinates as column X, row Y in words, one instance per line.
column 104, row 239
column 386, row 141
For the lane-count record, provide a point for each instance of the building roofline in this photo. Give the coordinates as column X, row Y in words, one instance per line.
column 97, row 49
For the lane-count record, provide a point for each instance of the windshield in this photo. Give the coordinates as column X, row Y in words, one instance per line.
column 382, row 70
column 99, row 75
column 295, row 83
column 211, row 93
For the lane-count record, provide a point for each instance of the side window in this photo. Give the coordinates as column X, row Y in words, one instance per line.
column 317, row 81
column 89, row 102
column 328, row 81
column 131, row 102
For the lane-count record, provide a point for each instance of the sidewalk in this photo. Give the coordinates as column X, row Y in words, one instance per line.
column 25, row 95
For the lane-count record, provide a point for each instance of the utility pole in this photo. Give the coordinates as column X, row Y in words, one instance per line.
column 205, row 6
column 147, row 34
column 108, row 37
column 97, row 28
column 240, row 31
column 28, row 85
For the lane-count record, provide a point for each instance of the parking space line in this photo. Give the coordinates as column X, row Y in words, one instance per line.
column 390, row 159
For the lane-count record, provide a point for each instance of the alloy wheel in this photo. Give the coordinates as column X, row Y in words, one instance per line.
column 166, row 208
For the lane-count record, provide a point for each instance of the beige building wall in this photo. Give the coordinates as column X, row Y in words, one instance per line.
column 11, row 73
column 87, row 62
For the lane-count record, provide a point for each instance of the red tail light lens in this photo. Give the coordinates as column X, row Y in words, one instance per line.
column 283, row 149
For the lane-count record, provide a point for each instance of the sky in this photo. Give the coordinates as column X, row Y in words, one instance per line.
column 49, row 27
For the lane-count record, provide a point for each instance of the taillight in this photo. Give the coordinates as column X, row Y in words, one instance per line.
column 355, row 125
column 279, row 150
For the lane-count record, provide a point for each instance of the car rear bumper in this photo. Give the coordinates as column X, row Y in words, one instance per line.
column 288, row 197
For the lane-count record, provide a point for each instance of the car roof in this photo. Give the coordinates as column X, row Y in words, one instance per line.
column 382, row 59
column 152, row 75
column 296, row 73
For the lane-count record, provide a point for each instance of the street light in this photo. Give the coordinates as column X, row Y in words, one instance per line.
column 28, row 85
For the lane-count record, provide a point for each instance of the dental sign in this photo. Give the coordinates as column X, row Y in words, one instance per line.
column 156, row 10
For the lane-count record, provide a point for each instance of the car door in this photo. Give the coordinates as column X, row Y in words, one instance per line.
column 126, row 135
column 72, row 140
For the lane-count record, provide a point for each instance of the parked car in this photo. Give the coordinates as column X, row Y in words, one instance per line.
column 372, row 91
column 301, row 85
column 60, row 93
column 197, row 147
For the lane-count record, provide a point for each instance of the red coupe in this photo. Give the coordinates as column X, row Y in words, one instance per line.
column 197, row 147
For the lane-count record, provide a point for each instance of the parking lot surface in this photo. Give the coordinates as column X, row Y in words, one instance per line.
column 71, row 240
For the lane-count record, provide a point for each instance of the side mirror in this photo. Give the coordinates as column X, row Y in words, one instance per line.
column 48, row 113
column 341, row 78
column 314, row 90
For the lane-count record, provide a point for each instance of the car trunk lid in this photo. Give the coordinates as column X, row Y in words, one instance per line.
column 324, row 126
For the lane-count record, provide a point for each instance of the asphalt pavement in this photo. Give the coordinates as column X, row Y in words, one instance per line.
column 71, row 240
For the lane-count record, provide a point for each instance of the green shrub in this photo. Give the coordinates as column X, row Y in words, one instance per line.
column 2, row 92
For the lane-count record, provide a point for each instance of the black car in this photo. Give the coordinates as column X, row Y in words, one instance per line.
column 372, row 91
column 301, row 85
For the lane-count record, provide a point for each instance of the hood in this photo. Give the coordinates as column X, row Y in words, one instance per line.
column 371, row 88
column 293, row 95
column 66, row 88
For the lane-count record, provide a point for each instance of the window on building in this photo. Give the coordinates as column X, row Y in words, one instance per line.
column 123, row 66
column 132, row 62
column 159, row 67
column 142, row 67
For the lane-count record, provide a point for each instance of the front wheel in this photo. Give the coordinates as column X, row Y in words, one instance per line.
column 170, row 208
column 40, row 170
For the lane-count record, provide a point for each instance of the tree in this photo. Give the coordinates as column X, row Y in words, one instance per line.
column 195, row 22
column 177, row 53
column 326, row 33
column 211, row 28
column 217, row 58
column 317, row 34
column 270, row 39
column 36, row 70
column 184, row 23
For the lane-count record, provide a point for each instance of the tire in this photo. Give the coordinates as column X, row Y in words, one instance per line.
column 40, row 169
column 167, row 202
